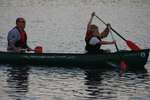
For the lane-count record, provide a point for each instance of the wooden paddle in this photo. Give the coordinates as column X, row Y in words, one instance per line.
column 129, row 43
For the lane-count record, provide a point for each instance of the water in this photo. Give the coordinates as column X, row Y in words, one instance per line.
column 59, row 26
column 38, row 83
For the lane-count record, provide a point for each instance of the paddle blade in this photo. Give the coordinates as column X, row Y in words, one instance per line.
column 38, row 49
column 132, row 46
column 123, row 66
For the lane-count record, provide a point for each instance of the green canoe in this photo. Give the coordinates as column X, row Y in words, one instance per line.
column 134, row 59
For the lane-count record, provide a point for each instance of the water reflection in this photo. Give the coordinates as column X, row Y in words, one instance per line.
column 17, row 81
column 98, row 86
column 106, row 84
column 86, row 84
column 93, row 81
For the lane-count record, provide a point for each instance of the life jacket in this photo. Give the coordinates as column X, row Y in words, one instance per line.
column 22, row 42
column 89, row 47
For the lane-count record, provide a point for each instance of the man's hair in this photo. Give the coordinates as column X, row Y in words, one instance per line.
column 19, row 18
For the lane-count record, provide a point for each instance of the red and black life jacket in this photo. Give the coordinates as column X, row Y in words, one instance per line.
column 22, row 42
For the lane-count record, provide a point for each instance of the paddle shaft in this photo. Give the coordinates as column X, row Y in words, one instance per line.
column 37, row 49
column 123, row 65
column 111, row 28
column 26, row 50
column 111, row 33
column 115, row 42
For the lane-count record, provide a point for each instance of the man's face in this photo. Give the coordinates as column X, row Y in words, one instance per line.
column 21, row 23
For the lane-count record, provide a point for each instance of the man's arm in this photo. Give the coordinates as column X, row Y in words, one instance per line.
column 12, row 38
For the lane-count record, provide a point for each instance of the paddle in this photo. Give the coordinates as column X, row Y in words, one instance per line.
column 130, row 44
column 37, row 49
column 123, row 65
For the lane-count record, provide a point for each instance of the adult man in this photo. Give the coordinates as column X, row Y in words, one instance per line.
column 17, row 37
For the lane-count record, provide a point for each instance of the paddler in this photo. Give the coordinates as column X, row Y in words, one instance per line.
column 17, row 37
column 94, row 38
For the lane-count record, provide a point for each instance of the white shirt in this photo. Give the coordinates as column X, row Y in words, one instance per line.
column 94, row 41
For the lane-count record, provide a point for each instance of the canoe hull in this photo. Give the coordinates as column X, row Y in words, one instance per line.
column 134, row 59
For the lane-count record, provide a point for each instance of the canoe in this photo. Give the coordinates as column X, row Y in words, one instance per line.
column 134, row 59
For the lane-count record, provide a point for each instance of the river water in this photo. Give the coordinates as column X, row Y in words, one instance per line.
column 59, row 26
